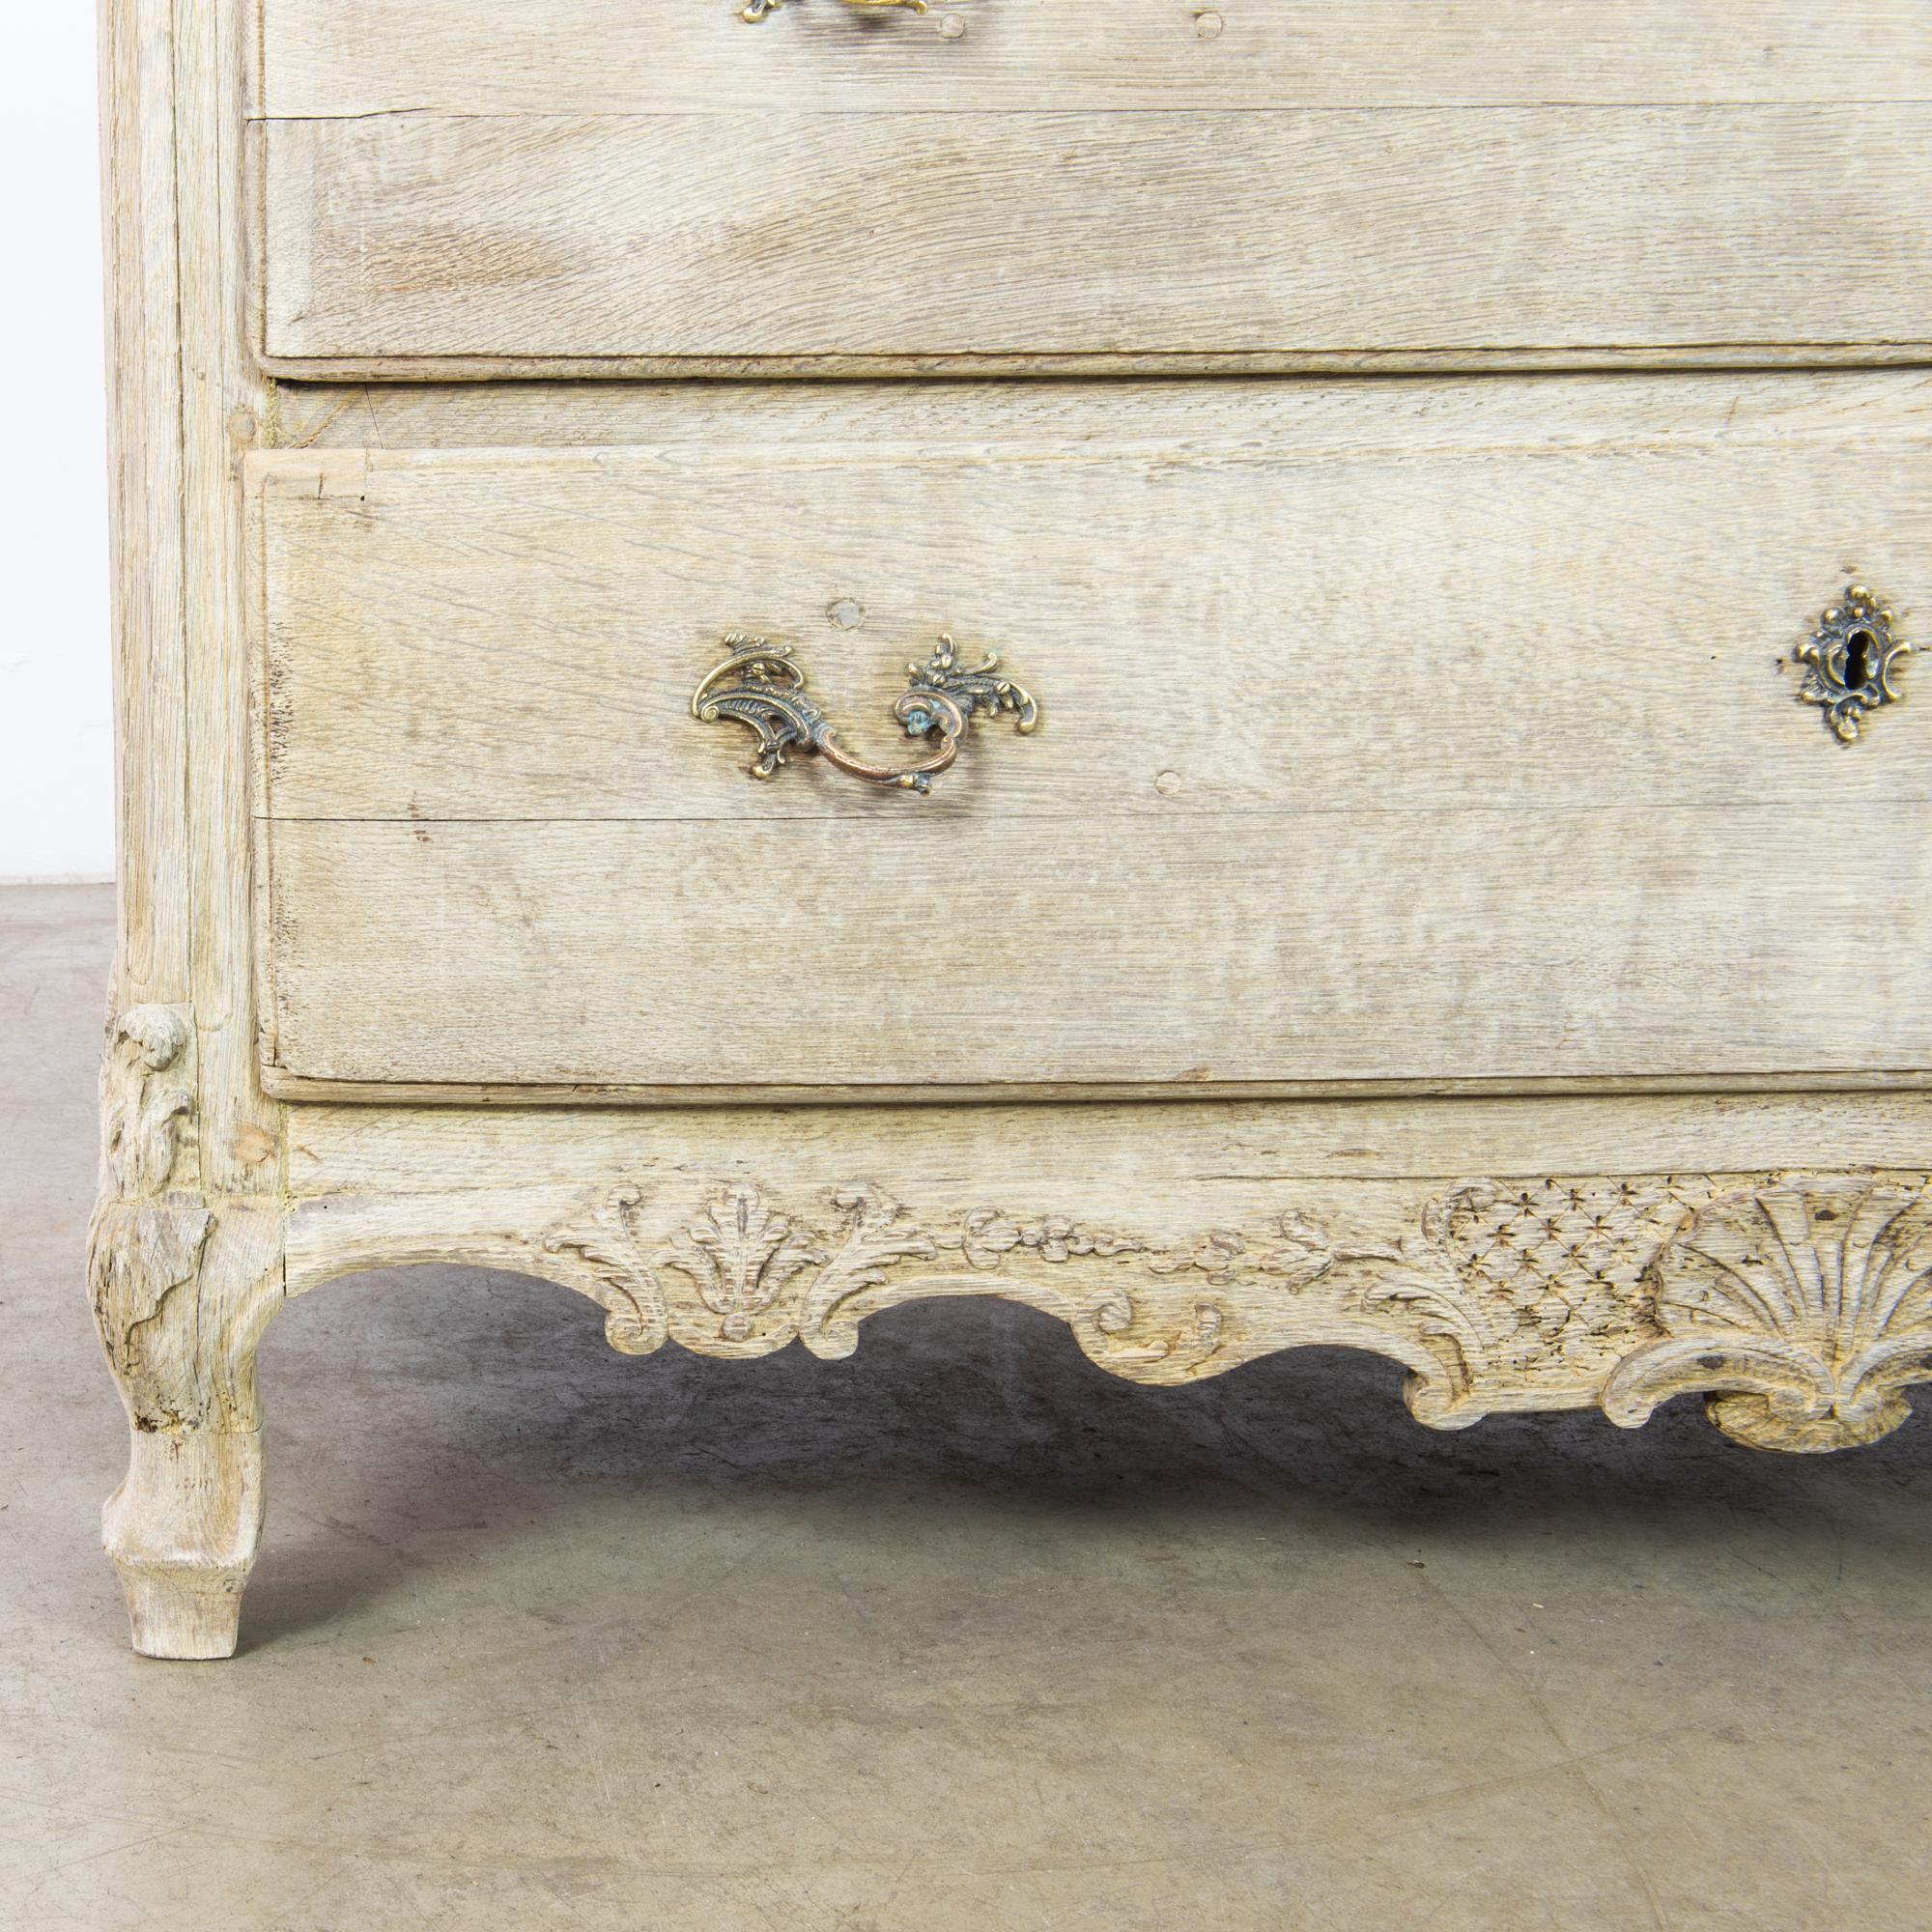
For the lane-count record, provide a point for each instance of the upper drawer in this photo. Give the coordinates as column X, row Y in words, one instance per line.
column 662, row 186
column 1443, row 734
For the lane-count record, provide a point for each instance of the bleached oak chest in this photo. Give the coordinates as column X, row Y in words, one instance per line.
column 1317, row 601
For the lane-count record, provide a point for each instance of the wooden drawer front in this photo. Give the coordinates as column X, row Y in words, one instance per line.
column 634, row 185
column 1418, row 731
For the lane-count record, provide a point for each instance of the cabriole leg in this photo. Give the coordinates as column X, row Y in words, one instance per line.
column 180, row 1295
column 182, row 1529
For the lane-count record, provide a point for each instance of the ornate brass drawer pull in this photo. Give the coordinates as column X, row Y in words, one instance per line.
column 761, row 686
column 1853, row 662
column 761, row 10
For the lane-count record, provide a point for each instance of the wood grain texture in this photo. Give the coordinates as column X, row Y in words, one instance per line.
column 1449, row 741
column 1294, row 949
column 1134, row 235
column 641, row 187
column 1803, row 1300
column 184, row 1253
column 340, row 58
column 1168, row 1166
column 1337, row 417
column 145, row 465
column 182, row 392
column 1181, row 1240
column 181, row 1283
column 1229, row 603
column 1437, row 733
column 222, row 404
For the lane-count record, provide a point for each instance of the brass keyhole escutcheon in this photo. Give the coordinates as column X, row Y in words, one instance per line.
column 1853, row 662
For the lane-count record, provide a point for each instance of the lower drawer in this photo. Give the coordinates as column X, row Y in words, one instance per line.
column 1426, row 733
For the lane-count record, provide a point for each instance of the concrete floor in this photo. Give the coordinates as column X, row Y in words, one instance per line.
column 959, row 1633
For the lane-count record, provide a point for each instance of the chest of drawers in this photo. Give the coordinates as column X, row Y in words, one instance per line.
column 1318, row 603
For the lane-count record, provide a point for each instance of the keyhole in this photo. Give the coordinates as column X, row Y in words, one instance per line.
column 1860, row 649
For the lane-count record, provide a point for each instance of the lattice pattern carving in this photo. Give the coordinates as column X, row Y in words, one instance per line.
column 1552, row 1292
column 1567, row 1258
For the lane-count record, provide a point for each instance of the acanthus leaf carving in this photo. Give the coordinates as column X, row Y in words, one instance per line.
column 1418, row 1277
column 879, row 1236
column 740, row 1254
column 1512, row 1294
column 1306, row 1254
column 765, row 1275
column 145, row 1108
column 144, row 1241
column 611, row 1251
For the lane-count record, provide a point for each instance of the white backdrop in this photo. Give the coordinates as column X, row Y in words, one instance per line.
column 56, row 732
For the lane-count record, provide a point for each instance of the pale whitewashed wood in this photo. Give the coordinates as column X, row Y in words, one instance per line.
column 487, row 185
column 1338, row 416
column 1512, row 800
column 1480, row 608
column 1178, row 1241
column 449, row 371
column 339, row 58
column 1771, row 1249
column 222, row 404
column 1183, row 1161
column 183, row 1251
column 182, row 1530
column 149, row 646
column 182, row 1280
column 1268, row 235
column 497, row 1096
column 1291, row 947
column 1805, row 1298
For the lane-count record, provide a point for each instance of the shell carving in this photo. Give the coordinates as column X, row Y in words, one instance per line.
column 1804, row 1310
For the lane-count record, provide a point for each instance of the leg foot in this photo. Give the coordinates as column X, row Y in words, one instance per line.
column 181, row 1530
